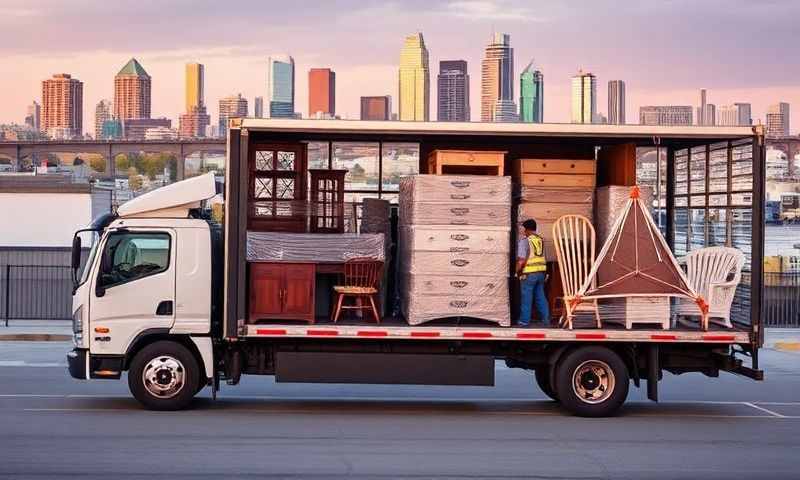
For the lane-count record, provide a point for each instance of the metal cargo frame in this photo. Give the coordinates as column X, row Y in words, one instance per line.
column 544, row 139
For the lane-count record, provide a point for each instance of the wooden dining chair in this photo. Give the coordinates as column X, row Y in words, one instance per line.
column 361, row 281
column 574, row 238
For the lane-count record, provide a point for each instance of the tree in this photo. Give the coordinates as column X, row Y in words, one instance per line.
column 98, row 163
column 134, row 180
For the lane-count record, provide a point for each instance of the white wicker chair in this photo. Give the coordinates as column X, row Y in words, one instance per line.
column 574, row 239
column 714, row 272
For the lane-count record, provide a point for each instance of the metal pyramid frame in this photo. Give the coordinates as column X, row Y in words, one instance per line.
column 636, row 261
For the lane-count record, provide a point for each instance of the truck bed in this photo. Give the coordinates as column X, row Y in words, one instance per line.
column 397, row 329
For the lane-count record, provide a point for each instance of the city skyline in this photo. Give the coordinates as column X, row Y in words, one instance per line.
column 237, row 63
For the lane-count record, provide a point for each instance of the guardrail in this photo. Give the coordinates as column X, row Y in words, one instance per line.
column 35, row 292
column 781, row 300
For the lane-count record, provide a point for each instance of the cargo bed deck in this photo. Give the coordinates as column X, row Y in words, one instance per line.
column 397, row 329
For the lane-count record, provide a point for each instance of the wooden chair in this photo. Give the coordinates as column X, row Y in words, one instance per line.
column 574, row 238
column 714, row 273
column 361, row 281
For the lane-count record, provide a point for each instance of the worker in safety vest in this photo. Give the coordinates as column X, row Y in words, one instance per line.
column 532, row 273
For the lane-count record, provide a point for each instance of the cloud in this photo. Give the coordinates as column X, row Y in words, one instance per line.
column 483, row 10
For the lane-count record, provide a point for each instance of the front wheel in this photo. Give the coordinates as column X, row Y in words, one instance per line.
column 164, row 376
column 592, row 381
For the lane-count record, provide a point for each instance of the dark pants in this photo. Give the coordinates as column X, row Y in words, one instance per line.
column 532, row 291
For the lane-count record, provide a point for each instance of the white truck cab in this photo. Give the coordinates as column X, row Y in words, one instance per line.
column 147, row 282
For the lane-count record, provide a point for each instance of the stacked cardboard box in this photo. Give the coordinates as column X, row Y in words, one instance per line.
column 454, row 247
column 552, row 188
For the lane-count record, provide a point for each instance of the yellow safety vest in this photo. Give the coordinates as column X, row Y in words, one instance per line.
column 536, row 261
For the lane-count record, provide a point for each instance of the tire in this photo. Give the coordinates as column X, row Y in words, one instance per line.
column 592, row 381
column 164, row 376
column 542, row 375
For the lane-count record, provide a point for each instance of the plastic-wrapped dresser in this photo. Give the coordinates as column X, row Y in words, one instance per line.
column 454, row 247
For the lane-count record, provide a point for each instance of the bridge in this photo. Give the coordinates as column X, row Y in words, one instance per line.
column 18, row 151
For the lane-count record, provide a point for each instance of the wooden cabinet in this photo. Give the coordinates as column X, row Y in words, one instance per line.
column 466, row 162
column 282, row 291
column 327, row 200
column 276, row 191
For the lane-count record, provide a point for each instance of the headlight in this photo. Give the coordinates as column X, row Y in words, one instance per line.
column 77, row 320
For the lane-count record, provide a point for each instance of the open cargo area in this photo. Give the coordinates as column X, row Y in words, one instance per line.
column 409, row 230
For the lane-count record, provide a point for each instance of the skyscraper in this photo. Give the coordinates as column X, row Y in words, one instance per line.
column 103, row 112
column 667, row 115
column 62, row 106
column 531, row 95
column 778, row 120
column 280, row 86
column 33, row 117
column 321, row 92
column 414, row 80
column 376, row 108
column 584, row 97
column 706, row 112
column 497, row 80
column 195, row 80
column 258, row 107
column 616, row 102
column 453, row 91
column 132, row 92
column 230, row 107
column 194, row 121
column 737, row 114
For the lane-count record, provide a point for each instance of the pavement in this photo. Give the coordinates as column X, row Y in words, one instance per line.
column 728, row 427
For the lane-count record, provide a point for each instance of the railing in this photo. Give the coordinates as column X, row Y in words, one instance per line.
column 781, row 300
column 35, row 292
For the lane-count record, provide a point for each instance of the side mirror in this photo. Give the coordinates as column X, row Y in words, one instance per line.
column 76, row 252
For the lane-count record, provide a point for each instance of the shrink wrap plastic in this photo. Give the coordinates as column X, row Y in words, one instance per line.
column 454, row 247
column 610, row 203
column 456, row 189
column 313, row 247
column 424, row 308
column 463, row 285
column 455, row 239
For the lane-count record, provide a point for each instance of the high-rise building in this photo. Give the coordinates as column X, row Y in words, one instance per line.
column 376, row 108
column 701, row 110
column 103, row 112
column 734, row 115
column 616, row 102
column 258, row 107
column 321, row 92
column 136, row 128
column 414, row 80
column 33, row 117
column 195, row 83
column 231, row 107
column 452, row 91
column 193, row 122
column 111, row 129
column 62, row 105
column 497, row 80
column 531, row 95
column 778, row 120
column 666, row 115
column 132, row 92
column 745, row 115
column 280, row 87
column 584, row 97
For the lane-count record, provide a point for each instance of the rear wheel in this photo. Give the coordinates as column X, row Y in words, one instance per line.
column 592, row 381
column 164, row 376
column 544, row 382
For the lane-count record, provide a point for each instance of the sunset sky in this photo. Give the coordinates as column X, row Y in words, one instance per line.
column 741, row 51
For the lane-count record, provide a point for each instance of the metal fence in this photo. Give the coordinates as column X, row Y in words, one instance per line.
column 35, row 292
column 782, row 299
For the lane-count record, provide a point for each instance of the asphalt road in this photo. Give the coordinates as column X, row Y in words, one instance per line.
column 52, row 426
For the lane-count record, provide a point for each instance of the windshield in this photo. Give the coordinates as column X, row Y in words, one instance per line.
column 90, row 239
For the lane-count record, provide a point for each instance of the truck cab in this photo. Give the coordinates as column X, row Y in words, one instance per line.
column 146, row 286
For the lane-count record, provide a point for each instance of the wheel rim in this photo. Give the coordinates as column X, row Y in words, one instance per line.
column 593, row 381
column 163, row 376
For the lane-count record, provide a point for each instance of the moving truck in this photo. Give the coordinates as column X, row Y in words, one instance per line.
column 162, row 291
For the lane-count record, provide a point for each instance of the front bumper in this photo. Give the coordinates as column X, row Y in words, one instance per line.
column 77, row 360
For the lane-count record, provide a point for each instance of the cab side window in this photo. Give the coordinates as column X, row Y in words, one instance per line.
column 130, row 256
